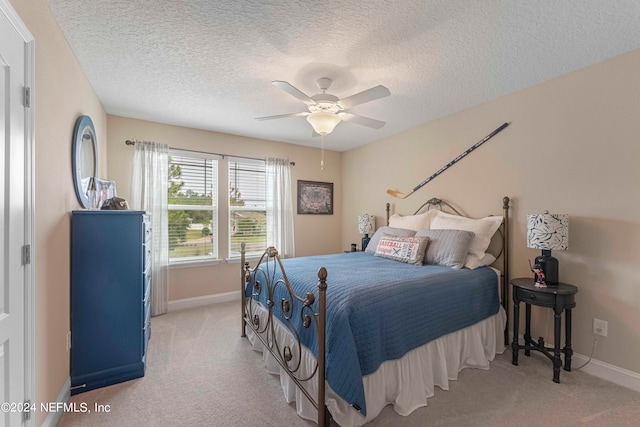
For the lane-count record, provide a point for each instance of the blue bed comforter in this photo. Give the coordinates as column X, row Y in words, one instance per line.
column 379, row 309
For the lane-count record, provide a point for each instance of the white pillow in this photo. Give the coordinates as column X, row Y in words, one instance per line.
column 473, row 262
column 483, row 228
column 413, row 222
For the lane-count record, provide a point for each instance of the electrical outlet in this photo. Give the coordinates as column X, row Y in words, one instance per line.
column 600, row 327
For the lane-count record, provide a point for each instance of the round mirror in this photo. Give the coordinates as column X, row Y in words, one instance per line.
column 85, row 158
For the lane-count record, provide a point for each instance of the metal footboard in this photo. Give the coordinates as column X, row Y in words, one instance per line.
column 293, row 306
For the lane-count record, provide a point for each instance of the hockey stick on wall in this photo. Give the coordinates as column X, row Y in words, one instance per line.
column 400, row 195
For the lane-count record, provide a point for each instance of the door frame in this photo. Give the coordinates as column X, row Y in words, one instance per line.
column 29, row 189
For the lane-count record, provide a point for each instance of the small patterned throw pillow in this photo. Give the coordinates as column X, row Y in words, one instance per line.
column 404, row 249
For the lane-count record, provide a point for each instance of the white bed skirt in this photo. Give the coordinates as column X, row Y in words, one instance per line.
column 406, row 383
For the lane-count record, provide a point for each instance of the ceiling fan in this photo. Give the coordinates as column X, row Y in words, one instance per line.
column 326, row 110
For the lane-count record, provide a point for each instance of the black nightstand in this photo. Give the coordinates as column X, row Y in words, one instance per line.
column 560, row 298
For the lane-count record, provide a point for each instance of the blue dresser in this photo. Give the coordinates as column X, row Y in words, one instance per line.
column 110, row 297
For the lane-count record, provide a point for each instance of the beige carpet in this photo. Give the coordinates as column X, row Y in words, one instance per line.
column 201, row 373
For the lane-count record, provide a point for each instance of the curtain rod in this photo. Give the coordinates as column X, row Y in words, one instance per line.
column 129, row 142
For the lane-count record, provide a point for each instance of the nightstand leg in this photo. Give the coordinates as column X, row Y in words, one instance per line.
column 568, row 351
column 527, row 330
column 557, row 362
column 515, row 346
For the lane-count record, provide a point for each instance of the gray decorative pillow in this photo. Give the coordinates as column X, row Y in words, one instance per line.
column 392, row 231
column 404, row 249
column 447, row 247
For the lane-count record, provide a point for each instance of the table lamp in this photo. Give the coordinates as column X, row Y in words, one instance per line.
column 548, row 231
column 366, row 226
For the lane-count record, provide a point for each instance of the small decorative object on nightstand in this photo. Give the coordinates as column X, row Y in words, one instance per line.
column 366, row 226
column 539, row 275
column 354, row 248
column 561, row 298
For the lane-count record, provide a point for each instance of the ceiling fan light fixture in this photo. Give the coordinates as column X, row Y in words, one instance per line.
column 323, row 122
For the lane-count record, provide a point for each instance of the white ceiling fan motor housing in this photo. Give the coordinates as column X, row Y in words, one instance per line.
column 324, row 102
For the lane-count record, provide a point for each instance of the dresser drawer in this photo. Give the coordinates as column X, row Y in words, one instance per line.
column 146, row 334
column 147, row 291
column 147, row 260
column 542, row 299
column 147, row 245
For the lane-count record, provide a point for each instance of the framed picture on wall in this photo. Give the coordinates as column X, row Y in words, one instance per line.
column 315, row 198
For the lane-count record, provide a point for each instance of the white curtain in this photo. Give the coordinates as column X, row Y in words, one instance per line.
column 149, row 193
column 280, row 207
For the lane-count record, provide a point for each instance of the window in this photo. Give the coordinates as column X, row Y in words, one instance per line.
column 193, row 204
column 247, row 206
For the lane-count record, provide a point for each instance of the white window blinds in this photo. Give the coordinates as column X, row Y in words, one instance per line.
column 193, row 206
column 247, row 206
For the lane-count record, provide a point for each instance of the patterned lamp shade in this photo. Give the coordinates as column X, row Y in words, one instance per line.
column 548, row 231
column 366, row 224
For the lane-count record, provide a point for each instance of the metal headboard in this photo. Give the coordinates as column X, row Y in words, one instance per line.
column 429, row 204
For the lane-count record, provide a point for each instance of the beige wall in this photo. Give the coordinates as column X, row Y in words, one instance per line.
column 314, row 234
column 572, row 147
column 62, row 94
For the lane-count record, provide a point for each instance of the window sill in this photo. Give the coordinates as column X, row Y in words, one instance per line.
column 194, row 263
column 212, row 262
column 236, row 260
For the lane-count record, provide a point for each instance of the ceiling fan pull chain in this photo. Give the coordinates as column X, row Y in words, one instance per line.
column 322, row 153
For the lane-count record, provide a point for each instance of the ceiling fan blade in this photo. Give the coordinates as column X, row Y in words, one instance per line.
column 291, row 90
column 281, row 116
column 365, row 96
column 365, row 121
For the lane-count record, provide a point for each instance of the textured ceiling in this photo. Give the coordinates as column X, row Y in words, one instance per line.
column 209, row 64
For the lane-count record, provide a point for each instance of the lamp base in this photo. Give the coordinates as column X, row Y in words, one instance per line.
column 549, row 266
column 365, row 241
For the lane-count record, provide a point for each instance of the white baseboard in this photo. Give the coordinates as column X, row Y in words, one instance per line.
column 180, row 304
column 53, row 418
column 606, row 371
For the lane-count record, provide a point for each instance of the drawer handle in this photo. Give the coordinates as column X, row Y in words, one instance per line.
column 532, row 296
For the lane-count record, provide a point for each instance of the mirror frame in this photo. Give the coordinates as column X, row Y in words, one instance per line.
column 84, row 126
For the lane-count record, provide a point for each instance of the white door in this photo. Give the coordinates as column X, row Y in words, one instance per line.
column 13, row 152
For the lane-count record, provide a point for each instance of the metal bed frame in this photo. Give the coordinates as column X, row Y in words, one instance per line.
column 297, row 305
